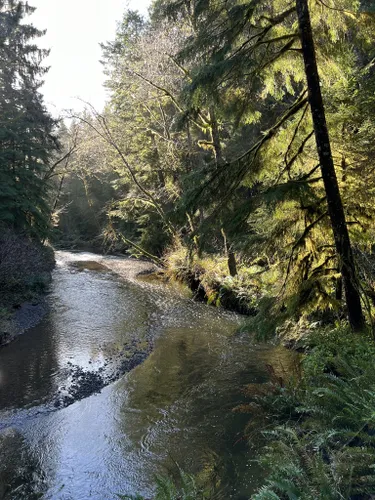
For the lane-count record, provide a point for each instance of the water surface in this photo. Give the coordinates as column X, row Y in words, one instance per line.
column 174, row 408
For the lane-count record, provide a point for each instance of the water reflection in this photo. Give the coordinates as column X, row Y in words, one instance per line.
column 28, row 368
column 179, row 403
column 21, row 476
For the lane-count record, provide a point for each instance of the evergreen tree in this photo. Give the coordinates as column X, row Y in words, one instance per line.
column 26, row 129
column 252, row 50
column 335, row 207
column 208, row 138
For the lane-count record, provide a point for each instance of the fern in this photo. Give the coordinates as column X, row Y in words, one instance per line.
column 328, row 452
column 184, row 488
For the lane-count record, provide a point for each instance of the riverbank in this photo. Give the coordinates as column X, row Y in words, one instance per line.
column 254, row 292
column 209, row 279
column 83, row 381
column 206, row 277
column 275, row 309
column 25, row 274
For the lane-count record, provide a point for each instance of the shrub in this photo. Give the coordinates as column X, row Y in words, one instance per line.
column 185, row 488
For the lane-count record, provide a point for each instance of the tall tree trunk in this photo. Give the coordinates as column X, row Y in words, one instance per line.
column 232, row 263
column 231, row 256
column 335, row 207
column 159, row 170
column 61, row 183
column 55, row 203
column 215, row 136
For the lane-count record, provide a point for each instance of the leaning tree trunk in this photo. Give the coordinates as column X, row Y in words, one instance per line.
column 335, row 207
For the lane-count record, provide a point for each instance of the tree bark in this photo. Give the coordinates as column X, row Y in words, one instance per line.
column 231, row 256
column 215, row 137
column 232, row 264
column 158, row 168
column 334, row 202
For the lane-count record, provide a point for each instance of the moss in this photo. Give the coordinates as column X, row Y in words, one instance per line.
column 208, row 278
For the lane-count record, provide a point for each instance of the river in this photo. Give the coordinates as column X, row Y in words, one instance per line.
column 76, row 422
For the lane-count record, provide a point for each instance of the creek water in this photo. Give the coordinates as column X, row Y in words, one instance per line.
column 175, row 407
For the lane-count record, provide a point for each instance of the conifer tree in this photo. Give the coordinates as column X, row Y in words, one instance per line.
column 26, row 129
column 210, row 107
column 335, row 207
column 252, row 51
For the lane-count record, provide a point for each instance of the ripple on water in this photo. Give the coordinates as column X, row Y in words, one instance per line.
column 173, row 408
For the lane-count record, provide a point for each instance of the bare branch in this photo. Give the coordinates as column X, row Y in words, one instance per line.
column 105, row 133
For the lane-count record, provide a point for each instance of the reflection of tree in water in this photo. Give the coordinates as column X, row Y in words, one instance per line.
column 180, row 362
column 26, row 367
column 183, row 396
column 21, row 476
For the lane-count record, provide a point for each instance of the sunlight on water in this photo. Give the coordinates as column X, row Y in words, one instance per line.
column 175, row 407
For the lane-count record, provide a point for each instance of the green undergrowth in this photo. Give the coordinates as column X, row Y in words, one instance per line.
column 321, row 441
column 259, row 290
column 185, row 487
column 250, row 291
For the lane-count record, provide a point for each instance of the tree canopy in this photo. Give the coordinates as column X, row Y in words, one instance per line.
column 208, row 139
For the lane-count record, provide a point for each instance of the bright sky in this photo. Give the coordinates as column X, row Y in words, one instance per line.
column 74, row 30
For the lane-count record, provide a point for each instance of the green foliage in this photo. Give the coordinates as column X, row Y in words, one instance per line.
column 249, row 53
column 367, row 6
column 27, row 137
column 327, row 449
column 27, row 144
column 184, row 488
column 25, row 267
column 208, row 132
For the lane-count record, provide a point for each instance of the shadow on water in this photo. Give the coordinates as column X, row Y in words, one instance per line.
column 175, row 407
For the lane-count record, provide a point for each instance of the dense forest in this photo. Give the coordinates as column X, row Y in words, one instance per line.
column 236, row 151
column 228, row 134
